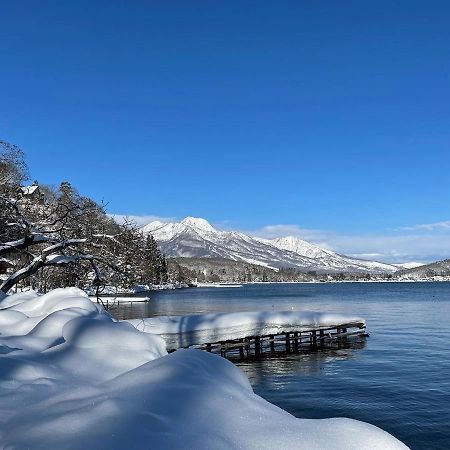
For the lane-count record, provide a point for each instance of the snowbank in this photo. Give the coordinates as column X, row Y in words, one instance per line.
column 72, row 377
column 184, row 331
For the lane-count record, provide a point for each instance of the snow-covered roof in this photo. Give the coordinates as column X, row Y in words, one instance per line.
column 28, row 190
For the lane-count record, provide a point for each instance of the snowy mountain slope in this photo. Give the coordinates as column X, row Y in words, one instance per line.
column 409, row 265
column 299, row 246
column 328, row 258
column 197, row 238
column 438, row 268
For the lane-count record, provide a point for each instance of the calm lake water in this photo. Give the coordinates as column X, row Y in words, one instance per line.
column 399, row 380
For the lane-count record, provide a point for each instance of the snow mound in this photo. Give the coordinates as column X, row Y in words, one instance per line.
column 76, row 378
column 184, row 331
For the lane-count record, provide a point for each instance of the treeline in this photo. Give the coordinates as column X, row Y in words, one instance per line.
column 223, row 270
column 428, row 271
column 55, row 237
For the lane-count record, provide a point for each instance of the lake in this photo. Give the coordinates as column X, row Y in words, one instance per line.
column 398, row 380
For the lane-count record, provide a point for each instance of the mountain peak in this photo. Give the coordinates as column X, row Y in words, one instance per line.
column 290, row 239
column 301, row 247
column 199, row 223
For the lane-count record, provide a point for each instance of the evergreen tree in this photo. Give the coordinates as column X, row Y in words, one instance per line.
column 64, row 239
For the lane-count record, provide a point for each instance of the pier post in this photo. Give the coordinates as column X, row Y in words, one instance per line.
column 272, row 343
column 341, row 330
column 288, row 343
column 314, row 339
column 344, row 330
column 296, row 342
column 208, row 348
column 257, row 346
column 241, row 348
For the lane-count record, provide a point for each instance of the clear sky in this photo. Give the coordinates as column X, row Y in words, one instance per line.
column 331, row 118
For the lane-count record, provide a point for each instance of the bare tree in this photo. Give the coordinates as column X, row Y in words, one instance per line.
column 56, row 237
column 69, row 232
column 49, row 240
column 13, row 168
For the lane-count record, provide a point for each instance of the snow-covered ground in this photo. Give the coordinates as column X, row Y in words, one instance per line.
column 72, row 377
column 184, row 331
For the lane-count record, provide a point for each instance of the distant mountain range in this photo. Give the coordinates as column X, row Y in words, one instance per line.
column 427, row 271
column 197, row 238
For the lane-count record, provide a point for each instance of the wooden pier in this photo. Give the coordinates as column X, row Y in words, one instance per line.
column 286, row 342
column 254, row 333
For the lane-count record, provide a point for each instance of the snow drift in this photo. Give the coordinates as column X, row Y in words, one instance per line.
column 73, row 377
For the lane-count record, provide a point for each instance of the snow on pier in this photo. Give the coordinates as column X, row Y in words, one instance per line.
column 251, row 332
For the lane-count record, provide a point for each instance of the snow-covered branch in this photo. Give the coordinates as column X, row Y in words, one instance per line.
column 52, row 238
column 48, row 259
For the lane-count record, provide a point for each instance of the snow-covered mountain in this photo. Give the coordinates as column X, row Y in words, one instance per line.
column 197, row 238
column 409, row 265
column 299, row 246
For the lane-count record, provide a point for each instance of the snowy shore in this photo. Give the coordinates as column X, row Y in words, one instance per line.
column 73, row 377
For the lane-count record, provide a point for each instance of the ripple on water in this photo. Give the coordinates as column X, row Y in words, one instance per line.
column 398, row 380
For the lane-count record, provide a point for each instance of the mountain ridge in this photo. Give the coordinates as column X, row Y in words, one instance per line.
column 196, row 238
column 426, row 271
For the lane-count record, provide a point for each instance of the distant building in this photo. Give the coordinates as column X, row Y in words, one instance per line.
column 32, row 193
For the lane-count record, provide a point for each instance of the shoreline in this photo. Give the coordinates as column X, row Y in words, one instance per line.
column 337, row 282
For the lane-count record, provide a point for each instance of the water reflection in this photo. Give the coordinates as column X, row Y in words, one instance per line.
column 126, row 310
column 307, row 361
column 397, row 379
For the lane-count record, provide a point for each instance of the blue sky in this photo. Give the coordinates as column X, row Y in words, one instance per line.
column 329, row 117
